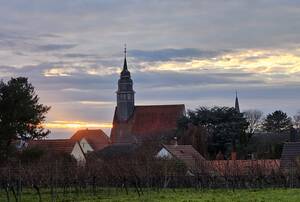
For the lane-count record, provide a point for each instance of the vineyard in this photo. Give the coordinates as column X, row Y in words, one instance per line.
column 140, row 180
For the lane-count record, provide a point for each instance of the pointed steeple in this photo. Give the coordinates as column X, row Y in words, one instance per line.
column 125, row 72
column 125, row 65
column 237, row 105
column 125, row 61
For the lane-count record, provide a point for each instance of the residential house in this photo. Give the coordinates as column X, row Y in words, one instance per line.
column 192, row 159
column 60, row 146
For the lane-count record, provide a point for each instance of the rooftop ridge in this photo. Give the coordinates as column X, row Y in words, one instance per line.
column 159, row 105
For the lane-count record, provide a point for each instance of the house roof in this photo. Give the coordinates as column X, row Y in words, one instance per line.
column 149, row 121
column 57, row 146
column 96, row 138
column 117, row 150
column 290, row 151
column 186, row 154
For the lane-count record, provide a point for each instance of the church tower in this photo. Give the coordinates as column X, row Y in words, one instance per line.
column 237, row 105
column 125, row 94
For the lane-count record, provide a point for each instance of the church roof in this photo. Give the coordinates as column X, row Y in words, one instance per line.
column 156, row 118
column 149, row 121
column 55, row 145
column 96, row 138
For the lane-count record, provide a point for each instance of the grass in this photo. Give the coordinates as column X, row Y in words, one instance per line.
column 166, row 195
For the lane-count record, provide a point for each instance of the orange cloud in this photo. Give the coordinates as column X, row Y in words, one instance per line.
column 254, row 61
column 75, row 125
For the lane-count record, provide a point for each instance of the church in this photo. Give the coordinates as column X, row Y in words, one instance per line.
column 132, row 124
column 137, row 123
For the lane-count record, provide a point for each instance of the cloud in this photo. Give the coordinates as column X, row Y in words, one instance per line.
column 171, row 54
column 174, row 80
column 54, row 47
column 49, row 35
column 78, row 55
column 97, row 103
column 59, row 72
column 258, row 61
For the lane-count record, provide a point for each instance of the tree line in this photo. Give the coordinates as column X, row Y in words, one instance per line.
column 218, row 131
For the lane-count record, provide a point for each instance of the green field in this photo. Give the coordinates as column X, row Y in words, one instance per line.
column 183, row 195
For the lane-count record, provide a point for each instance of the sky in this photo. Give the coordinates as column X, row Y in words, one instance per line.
column 193, row 52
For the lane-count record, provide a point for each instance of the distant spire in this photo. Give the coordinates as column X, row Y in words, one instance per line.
column 125, row 61
column 237, row 105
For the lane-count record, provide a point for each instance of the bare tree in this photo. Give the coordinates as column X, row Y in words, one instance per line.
column 296, row 120
column 254, row 118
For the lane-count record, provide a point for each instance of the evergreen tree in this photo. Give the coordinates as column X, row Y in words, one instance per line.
column 226, row 127
column 277, row 122
column 21, row 114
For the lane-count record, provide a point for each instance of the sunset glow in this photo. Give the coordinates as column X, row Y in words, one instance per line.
column 75, row 125
column 255, row 61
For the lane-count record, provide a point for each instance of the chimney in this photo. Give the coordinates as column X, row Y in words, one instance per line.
column 174, row 141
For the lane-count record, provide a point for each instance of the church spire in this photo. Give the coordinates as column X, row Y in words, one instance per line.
column 125, row 61
column 125, row 72
column 237, row 105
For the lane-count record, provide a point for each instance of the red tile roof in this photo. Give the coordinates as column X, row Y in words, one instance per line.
column 153, row 119
column 57, row 146
column 196, row 162
column 148, row 121
column 96, row 138
column 185, row 153
column 244, row 167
